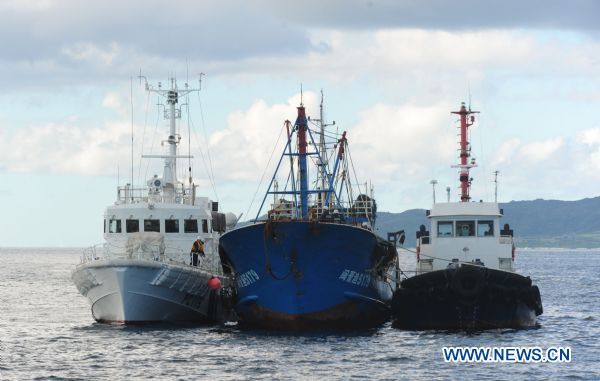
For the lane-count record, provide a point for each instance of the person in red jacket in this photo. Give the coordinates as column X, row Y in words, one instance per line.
column 197, row 249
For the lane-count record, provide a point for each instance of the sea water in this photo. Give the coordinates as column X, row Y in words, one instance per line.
column 47, row 332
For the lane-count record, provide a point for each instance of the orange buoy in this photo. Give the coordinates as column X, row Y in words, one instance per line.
column 214, row 283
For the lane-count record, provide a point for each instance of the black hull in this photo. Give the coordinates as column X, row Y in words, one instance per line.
column 466, row 298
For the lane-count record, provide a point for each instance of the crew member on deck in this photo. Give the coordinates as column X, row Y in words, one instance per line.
column 197, row 249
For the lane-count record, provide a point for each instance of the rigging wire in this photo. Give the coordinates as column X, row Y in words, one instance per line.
column 265, row 170
column 131, row 101
column 153, row 135
column 203, row 128
column 204, row 162
column 486, row 184
column 144, row 135
column 354, row 171
column 187, row 101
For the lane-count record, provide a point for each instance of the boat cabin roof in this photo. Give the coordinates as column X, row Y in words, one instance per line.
column 451, row 209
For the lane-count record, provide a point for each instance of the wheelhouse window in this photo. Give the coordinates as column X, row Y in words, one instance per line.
column 152, row 225
column 445, row 229
column 114, row 226
column 205, row 226
column 132, row 226
column 190, row 226
column 465, row 228
column 171, row 226
column 485, row 228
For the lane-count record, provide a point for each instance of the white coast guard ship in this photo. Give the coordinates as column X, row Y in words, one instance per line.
column 143, row 272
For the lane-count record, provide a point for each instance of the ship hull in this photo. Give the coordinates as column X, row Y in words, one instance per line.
column 126, row 291
column 307, row 275
column 466, row 298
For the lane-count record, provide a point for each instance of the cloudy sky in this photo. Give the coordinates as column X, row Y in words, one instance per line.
column 391, row 72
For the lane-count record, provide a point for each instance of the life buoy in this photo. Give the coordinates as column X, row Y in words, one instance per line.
column 467, row 281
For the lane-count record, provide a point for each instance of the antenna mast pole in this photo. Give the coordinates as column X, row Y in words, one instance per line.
column 322, row 175
column 131, row 101
column 496, row 186
column 172, row 113
column 466, row 120
column 433, row 183
column 301, row 124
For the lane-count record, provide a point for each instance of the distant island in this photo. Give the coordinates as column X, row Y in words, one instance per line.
column 536, row 223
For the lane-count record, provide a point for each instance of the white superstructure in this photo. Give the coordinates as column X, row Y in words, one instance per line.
column 465, row 232
column 143, row 271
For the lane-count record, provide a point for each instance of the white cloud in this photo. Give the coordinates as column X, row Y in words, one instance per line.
column 26, row 6
column 589, row 141
column 241, row 151
column 113, row 101
column 93, row 53
column 391, row 143
column 451, row 49
column 505, row 151
column 66, row 149
column 538, row 152
column 590, row 137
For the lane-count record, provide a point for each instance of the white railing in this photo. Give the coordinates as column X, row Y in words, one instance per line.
column 157, row 253
column 129, row 195
column 354, row 209
column 506, row 240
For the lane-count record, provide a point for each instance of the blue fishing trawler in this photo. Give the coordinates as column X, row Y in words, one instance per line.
column 314, row 261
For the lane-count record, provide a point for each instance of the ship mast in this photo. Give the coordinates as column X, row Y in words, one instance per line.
column 302, row 126
column 171, row 113
column 466, row 120
column 322, row 180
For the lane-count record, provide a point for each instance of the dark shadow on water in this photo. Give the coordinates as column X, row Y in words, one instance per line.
column 473, row 333
column 145, row 327
column 305, row 333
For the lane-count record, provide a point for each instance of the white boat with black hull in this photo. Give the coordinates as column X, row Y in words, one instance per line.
column 142, row 272
column 465, row 277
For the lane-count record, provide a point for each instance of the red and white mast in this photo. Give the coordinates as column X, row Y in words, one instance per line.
column 466, row 120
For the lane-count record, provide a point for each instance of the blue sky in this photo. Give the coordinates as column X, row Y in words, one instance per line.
column 391, row 72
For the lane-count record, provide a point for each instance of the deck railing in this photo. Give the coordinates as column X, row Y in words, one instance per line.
column 359, row 211
column 128, row 195
column 153, row 252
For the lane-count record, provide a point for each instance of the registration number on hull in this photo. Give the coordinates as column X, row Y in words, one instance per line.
column 356, row 278
column 247, row 278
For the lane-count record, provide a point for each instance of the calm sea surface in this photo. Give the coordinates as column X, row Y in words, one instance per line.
column 47, row 332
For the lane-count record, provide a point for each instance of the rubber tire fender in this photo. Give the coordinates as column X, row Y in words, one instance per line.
column 467, row 275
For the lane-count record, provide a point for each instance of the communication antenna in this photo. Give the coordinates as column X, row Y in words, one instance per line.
column 200, row 80
column 448, row 193
column 187, row 80
column 433, row 183
column 496, row 185
column 469, row 90
column 131, row 101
